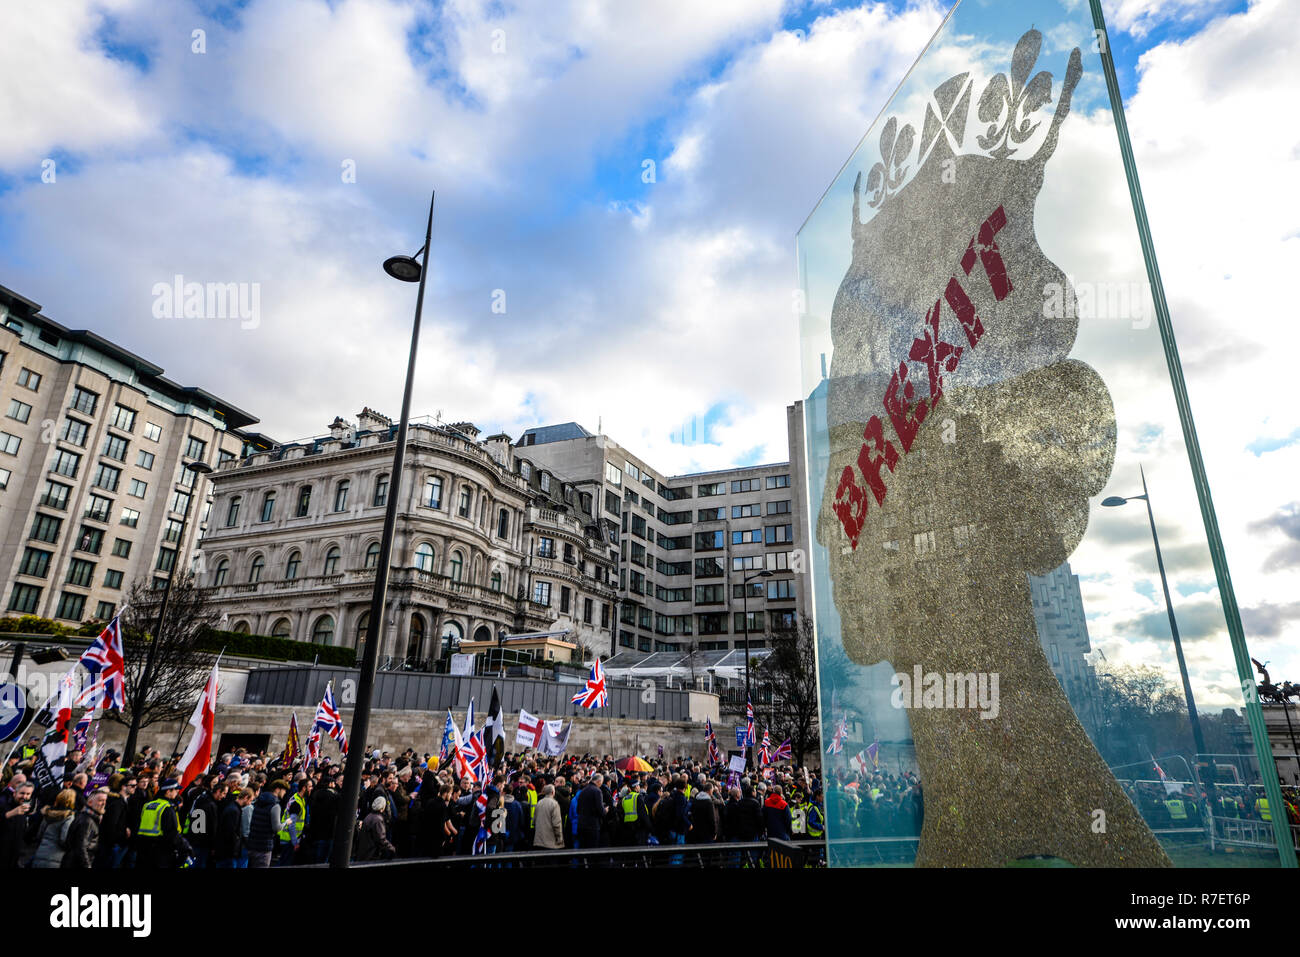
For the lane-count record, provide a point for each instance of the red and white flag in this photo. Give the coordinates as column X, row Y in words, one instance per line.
column 530, row 731
column 198, row 754
column 55, row 744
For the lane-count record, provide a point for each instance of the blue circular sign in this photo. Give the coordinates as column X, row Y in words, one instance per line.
column 13, row 707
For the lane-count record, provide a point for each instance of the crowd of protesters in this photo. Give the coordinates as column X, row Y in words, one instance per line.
column 251, row 811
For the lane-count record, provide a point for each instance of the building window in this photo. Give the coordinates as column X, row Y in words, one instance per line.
column 613, row 504
column 268, row 506
column 107, row 477
column 45, row 528
column 123, row 418
column 587, row 607
column 83, row 400
column 130, row 518
column 463, row 511
column 780, row 590
column 705, row 515
column 112, row 578
column 19, row 410
column 29, row 379
column 99, row 508
column 195, row 448
column 291, row 566
column 145, row 460
column 381, row 491
column 923, row 543
column 433, row 492
column 546, row 481
column 323, row 633
column 138, row 489
column 81, row 573
column 332, row 560
column 232, row 512
column 708, row 541
column 9, row 443
column 503, row 524
column 25, row 598
column 166, row 560
column 745, row 485
column 778, row 561
column 564, row 600
column 782, row 621
column 749, row 536
column 219, row 576
column 55, row 495
column 71, row 607
column 341, row 495
column 35, row 562
column 542, row 593
column 75, row 431
column 525, row 471
column 545, row 547
column 115, row 448
column 778, row 508
column 779, row 534
column 5, row 475
column 712, row 623
column 304, row 500
column 255, row 571
column 180, row 502
column 708, row 568
column 121, row 548
column 424, row 557
column 496, row 581
column 710, row 594
column 281, row 628
column 713, row 488
column 455, row 566
column 778, row 481
column 372, row 555
column 604, row 614
column 152, row 432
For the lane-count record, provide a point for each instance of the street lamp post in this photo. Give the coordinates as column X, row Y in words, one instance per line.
column 744, row 597
column 142, row 692
column 407, row 269
column 1113, row 502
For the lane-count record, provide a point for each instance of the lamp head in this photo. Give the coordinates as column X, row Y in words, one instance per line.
column 405, row 268
column 1113, row 501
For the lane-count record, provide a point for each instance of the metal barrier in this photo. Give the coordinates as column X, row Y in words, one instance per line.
column 690, row 856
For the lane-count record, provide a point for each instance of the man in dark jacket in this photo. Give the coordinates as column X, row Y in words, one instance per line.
column 160, row 844
column 84, row 834
column 704, row 816
column 591, row 812
column 320, row 819
column 13, row 826
column 682, row 822
column 748, row 817
column 265, row 824
column 112, row 826
column 203, row 821
column 228, row 843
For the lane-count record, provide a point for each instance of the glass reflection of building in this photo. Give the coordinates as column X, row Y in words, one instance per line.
column 1063, row 632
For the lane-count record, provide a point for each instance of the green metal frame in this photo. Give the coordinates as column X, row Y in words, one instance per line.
column 1254, row 715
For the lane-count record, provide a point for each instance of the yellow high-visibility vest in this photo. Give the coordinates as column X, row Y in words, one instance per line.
column 151, row 818
column 285, row 833
column 629, row 807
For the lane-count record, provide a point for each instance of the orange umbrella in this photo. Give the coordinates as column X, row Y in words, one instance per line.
column 632, row 763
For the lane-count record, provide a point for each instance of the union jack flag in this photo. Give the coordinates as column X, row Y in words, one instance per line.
column 474, row 755
column 329, row 720
column 312, row 754
column 715, row 756
column 765, row 750
column 837, row 739
column 106, row 663
column 783, row 752
column 80, row 732
column 481, row 838
column 593, row 694
column 749, row 723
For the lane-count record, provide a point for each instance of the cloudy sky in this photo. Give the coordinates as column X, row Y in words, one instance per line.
column 619, row 188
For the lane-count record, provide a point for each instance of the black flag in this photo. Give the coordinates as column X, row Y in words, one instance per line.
column 495, row 730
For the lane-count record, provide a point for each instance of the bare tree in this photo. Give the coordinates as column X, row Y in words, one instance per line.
column 789, row 674
column 181, row 666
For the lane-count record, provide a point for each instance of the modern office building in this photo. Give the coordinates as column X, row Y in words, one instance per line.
column 93, row 444
column 1063, row 633
column 687, row 544
column 481, row 548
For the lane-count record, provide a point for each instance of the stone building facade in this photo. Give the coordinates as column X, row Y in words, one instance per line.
column 479, row 549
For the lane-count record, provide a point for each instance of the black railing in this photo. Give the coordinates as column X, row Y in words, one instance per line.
column 691, row 856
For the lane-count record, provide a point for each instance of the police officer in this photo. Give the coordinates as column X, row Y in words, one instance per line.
column 160, row 844
column 293, row 821
column 816, row 816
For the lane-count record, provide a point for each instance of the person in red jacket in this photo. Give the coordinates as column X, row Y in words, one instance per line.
column 776, row 815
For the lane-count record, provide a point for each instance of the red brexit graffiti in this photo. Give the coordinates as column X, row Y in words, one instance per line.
column 907, row 414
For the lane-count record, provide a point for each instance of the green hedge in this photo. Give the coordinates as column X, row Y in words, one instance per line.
column 33, row 625
column 281, row 649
